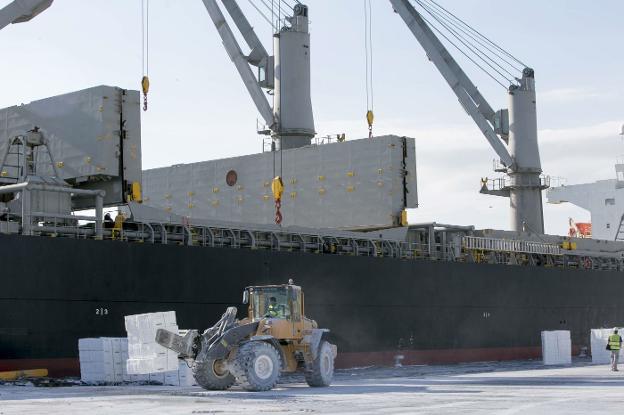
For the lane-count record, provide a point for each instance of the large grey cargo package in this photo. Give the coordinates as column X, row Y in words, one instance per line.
column 358, row 184
column 94, row 136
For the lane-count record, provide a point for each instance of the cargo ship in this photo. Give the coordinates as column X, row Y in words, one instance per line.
column 190, row 237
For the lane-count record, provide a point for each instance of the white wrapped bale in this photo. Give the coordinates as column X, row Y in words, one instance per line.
column 185, row 374
column 172, row 378
column 102, row 359
column 145, row 356
column 556, row 347
column 158, row 377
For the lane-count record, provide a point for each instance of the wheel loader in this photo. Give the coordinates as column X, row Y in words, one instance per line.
column 275, row 337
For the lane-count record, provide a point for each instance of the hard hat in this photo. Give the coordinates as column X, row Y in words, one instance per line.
column 615, row 329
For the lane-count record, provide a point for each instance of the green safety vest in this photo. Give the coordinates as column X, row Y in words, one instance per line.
column 614, row 342
column 272, row 311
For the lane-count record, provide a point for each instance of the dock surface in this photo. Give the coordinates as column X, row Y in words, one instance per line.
column 482, row 388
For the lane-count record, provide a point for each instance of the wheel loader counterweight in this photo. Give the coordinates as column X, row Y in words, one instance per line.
column 275, row 337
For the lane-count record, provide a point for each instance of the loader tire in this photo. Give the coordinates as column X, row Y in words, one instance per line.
column 257, row 366
column 211, row 375
column 321, row 372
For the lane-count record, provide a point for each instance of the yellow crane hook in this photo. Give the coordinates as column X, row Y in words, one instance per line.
column 145, row 84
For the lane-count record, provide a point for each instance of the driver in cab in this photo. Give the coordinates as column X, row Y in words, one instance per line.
column 274, row 310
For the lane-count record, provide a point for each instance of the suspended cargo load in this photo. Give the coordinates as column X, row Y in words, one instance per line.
column 359, row 184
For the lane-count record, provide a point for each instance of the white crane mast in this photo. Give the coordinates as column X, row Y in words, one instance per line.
column 20, row 11
column 511, row 133
column 287, row 74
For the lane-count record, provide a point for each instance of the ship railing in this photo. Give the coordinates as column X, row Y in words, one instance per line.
column 500, row 184
column 46, row 224
column 166, row 233
column 9, row 223
column 480, row 249
column 74, row 226
column 279, row 241
column 509, row 245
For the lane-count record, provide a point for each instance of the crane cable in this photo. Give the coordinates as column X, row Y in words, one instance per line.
column 368, row 45
column 477, row 48
column 477, row 33
column 145, row 82
column 277, row 184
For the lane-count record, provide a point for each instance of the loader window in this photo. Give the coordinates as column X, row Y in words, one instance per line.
column 294, row 303
column 270, row 302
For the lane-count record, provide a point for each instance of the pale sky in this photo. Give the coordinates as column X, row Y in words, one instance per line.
column 199, row 109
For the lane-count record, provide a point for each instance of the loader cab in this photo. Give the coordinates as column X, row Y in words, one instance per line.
column 274, row 301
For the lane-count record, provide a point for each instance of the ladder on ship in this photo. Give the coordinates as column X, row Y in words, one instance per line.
column 22, row 157
column 619, row 236
column 11, row 173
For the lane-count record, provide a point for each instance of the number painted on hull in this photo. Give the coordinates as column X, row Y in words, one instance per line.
column 101, row 311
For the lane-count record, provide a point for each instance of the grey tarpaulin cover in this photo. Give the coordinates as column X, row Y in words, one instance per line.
column 354, row 184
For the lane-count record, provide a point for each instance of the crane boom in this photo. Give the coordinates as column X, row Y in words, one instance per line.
column 258, row 52
column 286, row 74
column 240, row 61
column 467, row 93
column 20, row 11
column 512, row 133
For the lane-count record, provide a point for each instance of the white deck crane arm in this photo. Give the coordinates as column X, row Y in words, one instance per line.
column 469, row 96
column 258, row 52
column 236, row 54
column 20, row 11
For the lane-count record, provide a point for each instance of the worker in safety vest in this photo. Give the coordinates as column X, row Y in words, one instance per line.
column 273, row 309
column 615, row 344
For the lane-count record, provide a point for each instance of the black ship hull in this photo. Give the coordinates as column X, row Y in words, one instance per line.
column 55, row 291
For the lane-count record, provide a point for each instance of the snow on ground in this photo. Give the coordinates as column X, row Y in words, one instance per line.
column 484, row 388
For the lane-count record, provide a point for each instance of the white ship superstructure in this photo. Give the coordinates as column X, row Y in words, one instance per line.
column 604, row 199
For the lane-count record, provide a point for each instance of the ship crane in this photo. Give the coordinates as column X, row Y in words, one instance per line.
column 512, row 133
column 286, row 75
column 20, row 11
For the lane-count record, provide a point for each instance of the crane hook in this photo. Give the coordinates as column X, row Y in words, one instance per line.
column 370, row 117
column 145, row 84
column 277, row 187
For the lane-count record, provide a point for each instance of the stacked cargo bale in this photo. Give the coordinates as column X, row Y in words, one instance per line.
column 145, row 356
column 181, row 377
column 556, row 347
column 102, row 360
